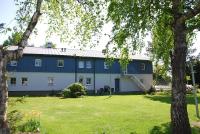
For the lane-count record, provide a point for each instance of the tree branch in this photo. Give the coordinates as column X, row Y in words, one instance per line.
column 18, row 52
column 31, row 25
column 191, row 13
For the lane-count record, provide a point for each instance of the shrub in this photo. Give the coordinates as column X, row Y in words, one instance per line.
column 14, row 118
column 74, row 90
column 152, row 90
column 32, row 125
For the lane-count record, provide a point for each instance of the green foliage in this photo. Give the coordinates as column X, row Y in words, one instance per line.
column 74, row 90
column 14, row 118
column 14, row 39
column 31, row 125
column 160, row 75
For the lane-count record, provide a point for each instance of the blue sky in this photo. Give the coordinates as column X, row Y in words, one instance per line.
column 8, row 12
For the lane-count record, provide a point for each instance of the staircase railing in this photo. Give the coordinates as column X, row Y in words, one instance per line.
column 136, row 80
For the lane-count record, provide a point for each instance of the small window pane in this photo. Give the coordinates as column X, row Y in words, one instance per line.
column 50, row 81
column 38, row 62
column 13, row 63
column 142, row 66
column 13, row 81
column 88, row 64
column 106, row 66
column 24, row 81
column 60, row 63
column 81, row 64
column 88, row 81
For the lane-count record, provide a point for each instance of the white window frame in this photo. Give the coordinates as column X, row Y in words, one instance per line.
column 60, row 61
column 81, row 64
column 13, row 84
column 38, row 62
column 89, row 82
column 88, row 64
column 106, row 66
column 50, row 81
column 24, row 83
column 13, row 63
column 142, row 66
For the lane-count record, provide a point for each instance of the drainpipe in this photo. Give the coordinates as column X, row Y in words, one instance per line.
column 94, row 75
column 75, row 67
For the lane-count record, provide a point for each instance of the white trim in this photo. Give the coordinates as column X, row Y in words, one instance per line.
column 38, row 62
column 61, row 61
column 88, row 64
column 81, row 64
column 106, row 66
column 13, row 63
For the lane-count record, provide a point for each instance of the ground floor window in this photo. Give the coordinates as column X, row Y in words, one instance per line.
column 13, row 81
column 50, row 81
column 88, row 81
column 24, row 81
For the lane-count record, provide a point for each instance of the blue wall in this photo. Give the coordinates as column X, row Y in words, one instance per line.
column 49, row 64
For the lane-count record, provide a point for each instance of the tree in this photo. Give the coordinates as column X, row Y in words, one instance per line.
column 5, row 56
column 60, row 14
column 171, row 22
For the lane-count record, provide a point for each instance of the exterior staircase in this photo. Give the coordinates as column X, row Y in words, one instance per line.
column 136, row 80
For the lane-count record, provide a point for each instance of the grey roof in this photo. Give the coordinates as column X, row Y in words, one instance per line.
column 69, row 52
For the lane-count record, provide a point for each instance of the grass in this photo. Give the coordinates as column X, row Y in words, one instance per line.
column 119, row 114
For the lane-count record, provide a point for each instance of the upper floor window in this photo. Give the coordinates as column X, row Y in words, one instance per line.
column 38, row 62
column 24, row 81
column 142, row 66
column 88, row 64
column 106, row 66
column 50, row 81
column 13, row 81
column 81, row 64
column 60, row 63
column 13, row 63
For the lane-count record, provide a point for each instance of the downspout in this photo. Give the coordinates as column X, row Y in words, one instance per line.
column 75, row 68
column 94, row 75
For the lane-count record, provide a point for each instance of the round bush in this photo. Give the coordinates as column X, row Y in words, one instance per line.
column 74, row 90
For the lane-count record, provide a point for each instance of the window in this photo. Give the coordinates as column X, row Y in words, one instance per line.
column 60, row 63
column 106, row 66
column 24, row 81
column 80, row 80
column 81, row 64
column 13, row 81
column 88, row 64
column 13, row 63
column 50, row 81
column 38, row 62
column 142, row 66
column 88, row 81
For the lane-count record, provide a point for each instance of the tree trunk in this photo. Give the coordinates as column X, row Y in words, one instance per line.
column 179, row 114
column 4, row 129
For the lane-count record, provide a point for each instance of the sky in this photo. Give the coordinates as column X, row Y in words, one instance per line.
column 7, row 15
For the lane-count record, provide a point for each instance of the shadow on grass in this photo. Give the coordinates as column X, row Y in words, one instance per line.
column 166, row 129
column 162, row 129
column 167, row 98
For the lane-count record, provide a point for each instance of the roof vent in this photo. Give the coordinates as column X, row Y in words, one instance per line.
column 104, row 51
column 63, row 49
column 49, row 45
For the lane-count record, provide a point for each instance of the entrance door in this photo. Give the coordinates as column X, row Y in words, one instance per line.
column 117, row 85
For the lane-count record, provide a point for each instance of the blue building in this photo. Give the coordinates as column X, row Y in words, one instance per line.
column 49, row 69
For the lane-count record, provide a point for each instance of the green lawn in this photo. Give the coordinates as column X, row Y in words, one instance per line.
column 119, row 114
